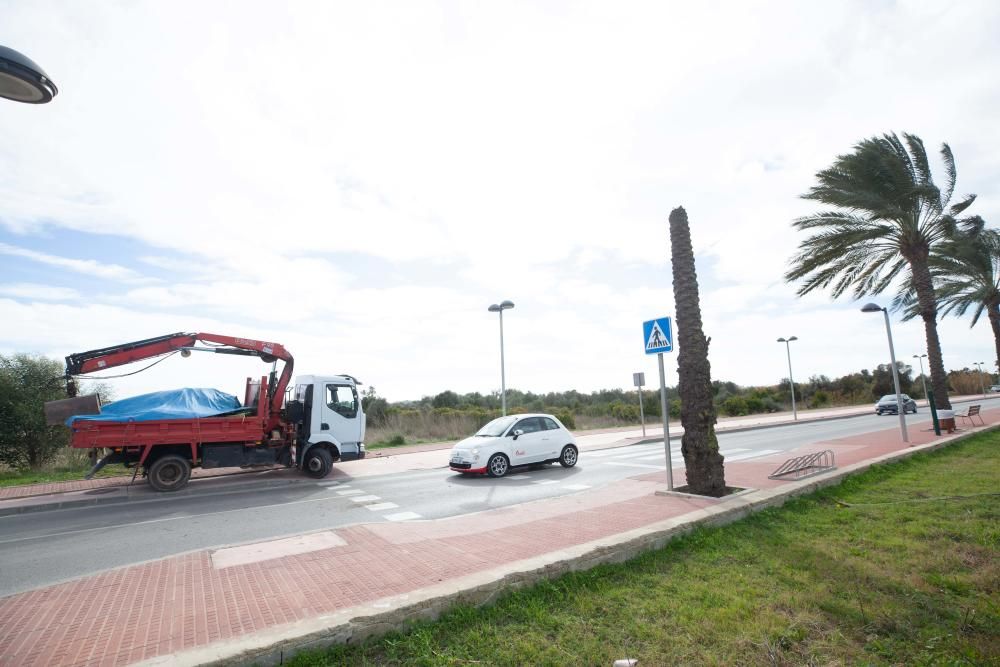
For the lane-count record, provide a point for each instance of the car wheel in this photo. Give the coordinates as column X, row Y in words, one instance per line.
column 914, row 408
column 878, row 412
column 169, row 473
column 568, row 457
column 497, row 466
column 318, row 462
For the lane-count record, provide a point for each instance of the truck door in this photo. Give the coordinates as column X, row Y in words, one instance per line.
column 339, row 416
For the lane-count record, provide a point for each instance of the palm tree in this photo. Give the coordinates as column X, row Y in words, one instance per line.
column 887, row 214
column 966, row 273
column 699, row 445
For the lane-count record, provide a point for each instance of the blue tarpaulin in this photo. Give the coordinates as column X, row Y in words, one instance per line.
column 172, row 404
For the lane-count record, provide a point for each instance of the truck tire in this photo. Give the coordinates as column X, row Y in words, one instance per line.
column 318, row 462
column 169, row 473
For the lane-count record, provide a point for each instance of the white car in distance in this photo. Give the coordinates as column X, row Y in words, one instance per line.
column 515, row 440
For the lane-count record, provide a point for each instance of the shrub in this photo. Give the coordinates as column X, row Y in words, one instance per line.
column 735, row 406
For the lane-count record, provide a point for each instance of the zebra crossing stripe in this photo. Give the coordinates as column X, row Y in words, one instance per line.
column 380, row 507
column 403, row 516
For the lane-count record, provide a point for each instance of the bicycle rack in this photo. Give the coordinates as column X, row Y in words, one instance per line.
column 805, row 466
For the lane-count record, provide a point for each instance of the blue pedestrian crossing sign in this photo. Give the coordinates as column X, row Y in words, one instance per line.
column 658, row 336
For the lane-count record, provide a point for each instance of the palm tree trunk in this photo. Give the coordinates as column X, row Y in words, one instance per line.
column 993, row 311
column 923, row 285
column 699, row 445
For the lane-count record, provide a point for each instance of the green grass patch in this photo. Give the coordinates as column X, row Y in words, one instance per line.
column 58, row 474
column 897, row 577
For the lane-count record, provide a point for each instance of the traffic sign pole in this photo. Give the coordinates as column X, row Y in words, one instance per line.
column 666, row 423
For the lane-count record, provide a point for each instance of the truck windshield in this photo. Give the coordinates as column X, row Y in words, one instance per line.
column 496, row 427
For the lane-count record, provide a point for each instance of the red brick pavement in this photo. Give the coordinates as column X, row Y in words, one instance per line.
column 159, row 608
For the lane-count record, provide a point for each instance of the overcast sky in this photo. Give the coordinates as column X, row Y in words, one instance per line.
column 360, row 181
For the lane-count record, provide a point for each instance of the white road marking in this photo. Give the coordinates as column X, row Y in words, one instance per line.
column 727, row 452
column 365, row 499
column 350, row 492
column 633, row 465
column 644, row 453
column 658, row 455
column 546, row 481
column 752, row 455
column 402, row 516
column 577, row 487
column 379, row 507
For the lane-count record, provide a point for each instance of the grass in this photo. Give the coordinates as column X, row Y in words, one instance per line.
column 69, row 465
column 877, row 570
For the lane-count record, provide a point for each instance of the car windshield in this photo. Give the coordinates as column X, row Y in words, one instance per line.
column 496, row 427
column 889, row 397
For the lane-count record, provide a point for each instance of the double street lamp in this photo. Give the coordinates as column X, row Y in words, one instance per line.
column 499, row 308
column 979, row 365
column 22, row 80
column 900, row 408
column 791, row 381
column 920, row 360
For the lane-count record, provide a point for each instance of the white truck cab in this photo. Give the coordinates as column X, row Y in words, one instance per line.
column 328, row 409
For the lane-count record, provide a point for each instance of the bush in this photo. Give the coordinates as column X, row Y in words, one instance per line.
column 26, row 383
column 566, row 417
column 819, row 399
column 735, row 406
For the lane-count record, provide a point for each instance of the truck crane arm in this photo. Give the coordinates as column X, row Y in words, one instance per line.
column 83, row 363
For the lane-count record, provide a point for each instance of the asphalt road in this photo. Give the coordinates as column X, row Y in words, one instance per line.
column 47, row 547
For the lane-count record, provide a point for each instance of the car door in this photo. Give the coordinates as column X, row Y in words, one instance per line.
column 529, row 446
column 553, row 440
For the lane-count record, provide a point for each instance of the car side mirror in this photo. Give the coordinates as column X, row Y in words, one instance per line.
column 517, row 432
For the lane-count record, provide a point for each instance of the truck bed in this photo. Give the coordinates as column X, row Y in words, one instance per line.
column 96, row 433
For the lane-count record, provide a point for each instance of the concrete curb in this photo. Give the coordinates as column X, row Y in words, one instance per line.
column 355, row 624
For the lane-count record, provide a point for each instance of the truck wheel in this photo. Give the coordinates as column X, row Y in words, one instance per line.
column 169, row 473
column 318, row 462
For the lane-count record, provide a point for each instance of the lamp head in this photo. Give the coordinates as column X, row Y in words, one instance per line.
column 22, row 80
column 871, row 308
column 506, row 305
column 494, row 308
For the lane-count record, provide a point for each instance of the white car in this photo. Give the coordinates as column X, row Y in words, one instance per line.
column 515, row 440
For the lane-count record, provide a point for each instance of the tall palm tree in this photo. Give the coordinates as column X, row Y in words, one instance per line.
column 887, row 214
column 699, row 445
column 966, row 273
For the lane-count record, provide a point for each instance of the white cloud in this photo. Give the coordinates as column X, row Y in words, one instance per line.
column 34, row 291
column 361, row 181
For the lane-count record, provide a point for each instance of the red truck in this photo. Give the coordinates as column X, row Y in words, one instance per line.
column 265, row 430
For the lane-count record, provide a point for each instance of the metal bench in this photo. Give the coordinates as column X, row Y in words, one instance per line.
column 970, row 413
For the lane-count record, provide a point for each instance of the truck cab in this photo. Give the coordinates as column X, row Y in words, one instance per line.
column 329, row 416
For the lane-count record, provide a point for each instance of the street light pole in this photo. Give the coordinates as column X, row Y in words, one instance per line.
column 791, row 380
column 499, row 308
column 22, row 80
column 920, row 360
column 900, row 408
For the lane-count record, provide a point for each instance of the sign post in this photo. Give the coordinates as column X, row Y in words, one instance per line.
column 639, row 379
column 658, row 338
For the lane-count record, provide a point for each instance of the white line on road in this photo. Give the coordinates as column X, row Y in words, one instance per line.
column 365, row 499
column 546, row 481
column 753, row 455
column 379, row 507
column 633, row 465
column 577, row 487
column 351, row 492
column 402, row 516
column 727, row 452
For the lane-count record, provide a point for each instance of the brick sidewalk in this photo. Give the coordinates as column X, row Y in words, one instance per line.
column 185, row 602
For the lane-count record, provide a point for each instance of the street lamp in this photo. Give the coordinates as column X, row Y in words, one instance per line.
column 920, row 360
column 499, row 308
column 791, row 382
column 900, row 408
column 22, row 80
column 979, row 365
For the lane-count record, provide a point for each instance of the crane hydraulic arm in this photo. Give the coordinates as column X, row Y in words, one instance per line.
column 118, row 355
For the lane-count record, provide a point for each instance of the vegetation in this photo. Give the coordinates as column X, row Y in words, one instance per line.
column 887, row 216
column 966, row 273
column 895, row 566
column 699, row 445
column 26, row 383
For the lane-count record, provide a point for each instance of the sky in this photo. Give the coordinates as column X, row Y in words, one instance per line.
column 360, row 181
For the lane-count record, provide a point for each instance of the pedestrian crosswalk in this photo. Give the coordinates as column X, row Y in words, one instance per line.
column 651, row 456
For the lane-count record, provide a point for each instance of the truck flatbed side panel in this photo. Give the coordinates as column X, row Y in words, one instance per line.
column 249, row 429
